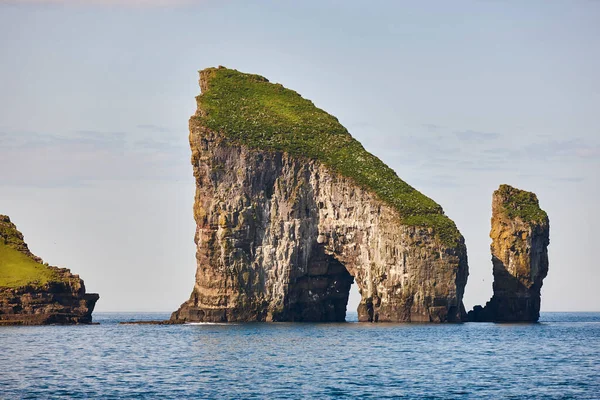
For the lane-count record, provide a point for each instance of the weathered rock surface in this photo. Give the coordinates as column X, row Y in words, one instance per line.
column 54, row 295
column 520, row 237
column 282, row 237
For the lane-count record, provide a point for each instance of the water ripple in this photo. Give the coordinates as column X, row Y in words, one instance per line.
column 556, row 359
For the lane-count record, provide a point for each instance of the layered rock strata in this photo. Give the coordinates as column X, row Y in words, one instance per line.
column 284, row 226
column 33, row 293
column 520, row 237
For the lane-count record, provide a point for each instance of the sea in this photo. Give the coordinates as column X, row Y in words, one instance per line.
column 557, row 358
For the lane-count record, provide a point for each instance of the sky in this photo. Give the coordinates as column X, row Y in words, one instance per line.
column 457, row 97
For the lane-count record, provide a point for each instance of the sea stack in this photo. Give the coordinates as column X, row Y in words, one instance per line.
column 520, row 237
column 290, row 210
column 33, row 293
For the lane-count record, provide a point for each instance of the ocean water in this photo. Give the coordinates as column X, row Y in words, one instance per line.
column 558, row 358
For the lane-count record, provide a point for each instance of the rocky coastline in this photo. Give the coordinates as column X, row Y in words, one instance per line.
column 34, row 293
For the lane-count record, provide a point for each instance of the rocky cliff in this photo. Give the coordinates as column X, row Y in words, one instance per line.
column 291, row 210
column 33, row 293
column 520, row 237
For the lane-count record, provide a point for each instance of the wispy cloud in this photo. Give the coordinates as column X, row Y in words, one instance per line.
column 429, row 150
column 549, row 150
column 44, row 159
column 470, row 135
column 153, row 128
column 110, row 3
column 571, row 179
column 572, row 148
column 432, row 127
column 83, row 138
column 559, row 179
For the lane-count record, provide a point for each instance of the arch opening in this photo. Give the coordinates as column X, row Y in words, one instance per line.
column 353, row 302
column 321, row 293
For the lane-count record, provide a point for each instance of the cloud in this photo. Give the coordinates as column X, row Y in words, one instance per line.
column 77, row 158
column 551, row 177
column 160, row 146
column 571, row 179
column 572, row 148
column 502, row 153
column 548, row 150
column 470, row 135
column 154, row 128
column 588, row 152
column 83, row 138
column 432, row 127
column 423, row 154
column 108, row 3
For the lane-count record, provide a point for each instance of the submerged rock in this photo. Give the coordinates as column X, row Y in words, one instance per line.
column 33, row 293
column 290, row 210
column 520, row 237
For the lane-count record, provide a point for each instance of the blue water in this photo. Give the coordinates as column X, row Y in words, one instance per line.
column 558, row 358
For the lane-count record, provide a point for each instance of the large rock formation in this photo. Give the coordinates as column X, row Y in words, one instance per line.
column 520, row 238
column 290, row 210
column 33, row 293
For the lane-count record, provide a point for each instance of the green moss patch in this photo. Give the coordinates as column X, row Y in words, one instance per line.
column 521, row 204
column 251, row 111
column 17, row 269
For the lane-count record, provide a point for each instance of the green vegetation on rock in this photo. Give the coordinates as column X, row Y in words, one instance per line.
column 521, row 204
column 249, row 110
column 17, row 269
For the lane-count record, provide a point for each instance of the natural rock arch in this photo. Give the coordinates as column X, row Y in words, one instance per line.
column 280, row 236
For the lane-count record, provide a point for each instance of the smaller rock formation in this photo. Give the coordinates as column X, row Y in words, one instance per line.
column 33, row 293
column 520, row 238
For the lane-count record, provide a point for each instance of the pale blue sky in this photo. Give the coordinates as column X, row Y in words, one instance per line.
column 457, row 97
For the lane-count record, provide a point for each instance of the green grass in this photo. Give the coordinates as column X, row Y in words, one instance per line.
column 521, row 204
column 249, row 110
column 16, row 269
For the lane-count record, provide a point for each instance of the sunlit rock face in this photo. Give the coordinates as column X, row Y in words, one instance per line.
column 281, row 237
column 520, row 237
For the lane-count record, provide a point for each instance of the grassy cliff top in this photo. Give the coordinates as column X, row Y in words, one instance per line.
column 18, row 267
column 518, row 203
column 251, row 111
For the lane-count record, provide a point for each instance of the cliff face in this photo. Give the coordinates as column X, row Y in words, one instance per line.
column 520, row 237
column 32, row 293
column 284, row 227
